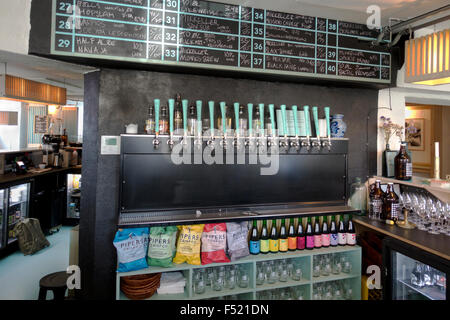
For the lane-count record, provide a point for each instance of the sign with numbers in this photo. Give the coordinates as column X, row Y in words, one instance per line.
column 214, row 35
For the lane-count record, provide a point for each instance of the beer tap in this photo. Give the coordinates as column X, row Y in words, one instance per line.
column 327, row 143
column 316, row 143
column 307, row 143
column 156, row 140
column 211, row 121
column 236, row 142
column 198, row 142
column 295, row 144
column 249, row 141
column 261, row 119
column 224, row 124
column 285, row 143
column 171, row 110
column 272, row 120
column 185, row 110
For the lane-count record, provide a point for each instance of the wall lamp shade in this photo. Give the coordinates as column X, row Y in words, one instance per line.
column 428, row 59
column 12, row 87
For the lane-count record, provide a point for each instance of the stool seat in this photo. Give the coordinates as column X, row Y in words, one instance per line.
column 56, row 282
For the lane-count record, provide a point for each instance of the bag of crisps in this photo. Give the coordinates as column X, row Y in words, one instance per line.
column 214, row 243
column 161, row 246
column 188, row 244
column 237, row 233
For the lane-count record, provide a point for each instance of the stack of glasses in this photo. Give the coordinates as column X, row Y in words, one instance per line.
column 219, row 278
column 333, row 290
column 334, row 263
column 278, row 270
column 292, row 293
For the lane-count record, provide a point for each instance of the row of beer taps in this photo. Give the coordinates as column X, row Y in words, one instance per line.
column 252, row 140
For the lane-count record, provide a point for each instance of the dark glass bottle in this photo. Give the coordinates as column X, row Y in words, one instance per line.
column 317, row 234
column 403, row 164
column 164, row 121
column 333, row 232
column 254, row 239
column 390, row 205
column 342, row 233
column 264, row 240
column 309, row 235
column 326, row 237
column 150, row 122
column 283, row 238
column 292, row 236
column 178, row 114
column 351, row 232
column 273, row 240
column 376, row 201
column 192, row 122
column 301, row 237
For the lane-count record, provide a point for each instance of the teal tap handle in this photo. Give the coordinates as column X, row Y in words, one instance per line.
column 316, row 120
column 185, row 110
column 224, row 120
column 261, row 117
column 211, row 116
column 283, row 116
column 307, row 121
column 157, row 103
column 171, row 109
column 250, row 117
column 272, row 117
column 236, row 115
column 327, row 117
column 294, row 111
column 199, row 116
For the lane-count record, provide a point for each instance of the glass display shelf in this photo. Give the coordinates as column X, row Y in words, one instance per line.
column 432, row 293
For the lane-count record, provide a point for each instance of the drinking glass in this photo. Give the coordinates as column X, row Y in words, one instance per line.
column 219, row 280
column 346, row 265
column 297, row 293
column 260, row 275
column 337, row 266
column 316, row 266
column 297, row 272
column 276, row 294
column 273, row 275
column 283, row 272
column 209, row 276
column 244, row 280
column 199, row 282
column 326, row 265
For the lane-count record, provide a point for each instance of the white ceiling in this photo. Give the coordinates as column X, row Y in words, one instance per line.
column 347, row 10
column 57, row 73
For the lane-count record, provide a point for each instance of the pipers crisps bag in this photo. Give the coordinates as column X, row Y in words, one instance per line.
column 188, row 244
column 214, row 243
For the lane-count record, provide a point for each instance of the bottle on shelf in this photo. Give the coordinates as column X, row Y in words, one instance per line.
column 326, row 237
column 283, row 238
column 376, row 201
column 351, row 232
column 301, row 237
column 164, row 121
column 403, row 164
column 64, row 138
column 256, row 123
column 192, row 122
column 342, row 233
column 150, row 122
column 254, row 239
column 264, row 240
column 317, row 234
column 178, row 114
column 309, row 235
column 243, row 121
column 273, row 240
column 292, row 236
column 333, row 232
column 391, row 205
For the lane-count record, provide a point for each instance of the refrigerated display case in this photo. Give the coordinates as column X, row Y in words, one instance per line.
column 18, row 206
column 413, row 274
column 2, row 211
column 73, row 196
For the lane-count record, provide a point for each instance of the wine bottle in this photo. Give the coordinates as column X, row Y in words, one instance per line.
column 264, row 241
column 301, row 238
column 273, row 241
column 326, row 237
column 317, row 234
column 283, row 238
column 309, row 235
column 351, row 233
column 254, row 239
column 342, row 234
column 333, row 232
column 292, row 236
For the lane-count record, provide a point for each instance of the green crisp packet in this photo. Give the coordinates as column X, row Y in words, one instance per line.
column 161, row 246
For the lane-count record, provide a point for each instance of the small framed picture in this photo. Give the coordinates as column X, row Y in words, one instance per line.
column 415, row 134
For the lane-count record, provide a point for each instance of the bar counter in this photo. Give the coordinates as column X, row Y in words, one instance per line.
column 12, row 178
column 438, row 245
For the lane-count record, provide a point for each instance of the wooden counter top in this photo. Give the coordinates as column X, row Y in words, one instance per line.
column 8, row 178
column 437, row 244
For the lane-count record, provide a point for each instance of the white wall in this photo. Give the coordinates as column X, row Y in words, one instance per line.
column 10, row 135
column 15, row 25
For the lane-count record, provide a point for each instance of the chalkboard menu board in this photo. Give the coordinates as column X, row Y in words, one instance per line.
column 40, row 124
column 214, row 35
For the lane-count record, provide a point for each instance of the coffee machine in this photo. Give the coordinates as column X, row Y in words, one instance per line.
column 51, row 150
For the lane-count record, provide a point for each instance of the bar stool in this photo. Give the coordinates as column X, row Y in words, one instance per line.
column 56, row 282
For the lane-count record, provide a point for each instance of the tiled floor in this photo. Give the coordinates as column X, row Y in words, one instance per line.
column 20, row 275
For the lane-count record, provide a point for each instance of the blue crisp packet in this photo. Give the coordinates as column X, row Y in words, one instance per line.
column 131, row 245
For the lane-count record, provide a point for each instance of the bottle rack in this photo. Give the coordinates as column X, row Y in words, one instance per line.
column 304, row 257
